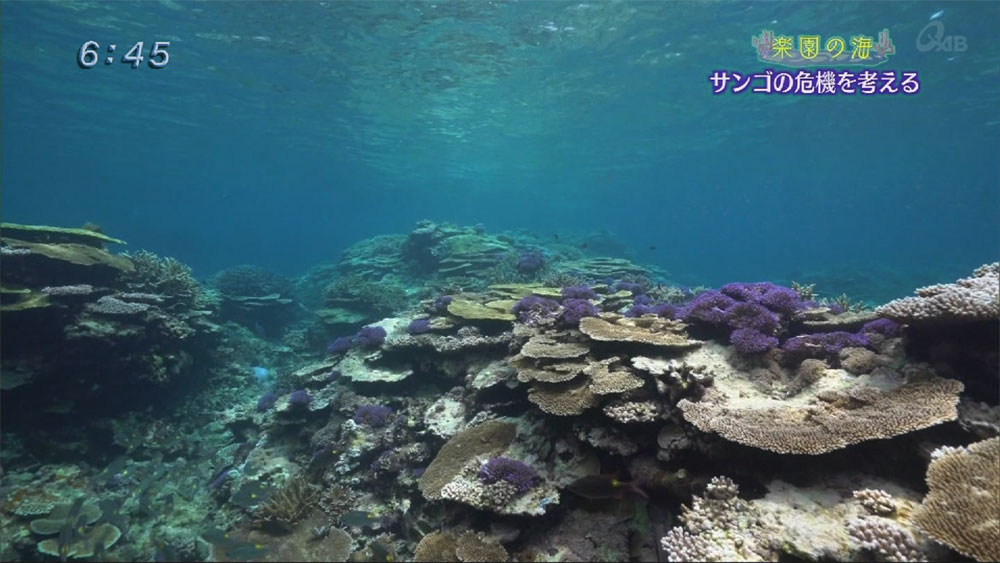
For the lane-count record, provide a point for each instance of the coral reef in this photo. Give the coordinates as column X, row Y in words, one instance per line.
column 452, row 394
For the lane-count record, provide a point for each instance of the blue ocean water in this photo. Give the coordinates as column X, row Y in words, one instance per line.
column 280, row 133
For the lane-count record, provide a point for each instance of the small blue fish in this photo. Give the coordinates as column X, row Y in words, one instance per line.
column 263, row 375
column 937, row 14
column 221, row 477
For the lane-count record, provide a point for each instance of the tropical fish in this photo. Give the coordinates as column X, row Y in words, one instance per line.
column 221, row 477
column 358, row 518
column 68, row 533
column 604, row 487
column 380, row 552
column 937, row 14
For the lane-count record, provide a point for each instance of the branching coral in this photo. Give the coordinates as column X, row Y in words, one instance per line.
column 165, row 276
column 290, row 504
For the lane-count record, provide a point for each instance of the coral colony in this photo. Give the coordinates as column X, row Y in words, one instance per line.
column 453, row 394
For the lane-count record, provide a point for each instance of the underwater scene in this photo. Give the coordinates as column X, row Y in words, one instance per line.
column 499, row 280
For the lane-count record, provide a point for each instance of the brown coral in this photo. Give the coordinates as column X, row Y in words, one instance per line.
column 290, row 504
column 563, row 399
column 655, row 332
column 530, row 370
column 962, row 509
column 488, row 438
column 544, row 346
column 436, row 546
column 865, row 408
column 603, row 381
column 477, row 547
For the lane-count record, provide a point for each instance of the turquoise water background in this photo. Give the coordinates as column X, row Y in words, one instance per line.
column 280, row 133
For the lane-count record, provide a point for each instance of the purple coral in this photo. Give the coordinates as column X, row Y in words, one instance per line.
column 885, row 327
column 751, row 341
column 782, row 299
column 372, row 415
column 266, row 401
column 530, row 262
column 299, row 397
column 709, row 307
column 533, row 308
column 777, row 298
column 341, row 345
column 419, row 326
column 665, row 310
column 748, row 292
column 371, row 337
column 752, row 316
column 441, row 304
column 576, row 309
column 578, row 292
column 515, row 472
column 823, row 345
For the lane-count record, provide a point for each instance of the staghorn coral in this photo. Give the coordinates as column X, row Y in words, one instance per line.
column 167, row 277
column 968, row 299
column 962, row 509
column 289, row 504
